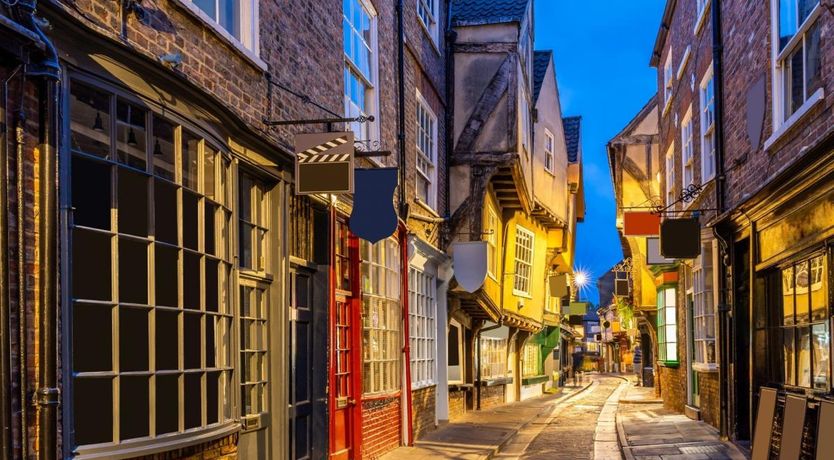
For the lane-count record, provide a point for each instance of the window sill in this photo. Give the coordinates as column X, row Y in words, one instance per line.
column 149, row 446
column 699, row 24
column 705, row 367
column 495, row 382
column 523, row 295
column 427, row 207
column 670, row 364
column 224, row 35
column 534, row 380
column 667, row 106
column 423, row 386
column 816, row 98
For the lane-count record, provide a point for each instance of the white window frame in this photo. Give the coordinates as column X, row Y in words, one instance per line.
column 703, row 314
column 493, row 358
column 549, row 143
column 525, row 246
column 248, row 43
column 687, row 150
column 701, row 6
column 524, row 119
column 369, row 129
column 492, row 226
column 708, row 146
column 531, row 355
column 428, row 12
column 422, row 312
column 667, row 319
column 460, row 368
column 426, row 155
column 782, row 121
column 670, row 174
column 381, row 263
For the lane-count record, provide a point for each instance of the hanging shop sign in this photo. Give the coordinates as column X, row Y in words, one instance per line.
column 653, row 256
column 469, row 261
column 558, row 285
column 621, row 288
column 680, row 238
column 643, row 223
column 324, row 163
column 373, row 217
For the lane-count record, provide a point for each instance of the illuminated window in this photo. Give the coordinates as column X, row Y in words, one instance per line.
column 493, row 358
column 381, row 316
column 667, row 325
column 531, row 360
column 704, row 309
column 422, row 311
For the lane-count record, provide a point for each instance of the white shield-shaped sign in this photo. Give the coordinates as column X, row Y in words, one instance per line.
column 469, row 261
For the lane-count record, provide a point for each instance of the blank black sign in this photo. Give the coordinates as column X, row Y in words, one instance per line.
column 680, row 238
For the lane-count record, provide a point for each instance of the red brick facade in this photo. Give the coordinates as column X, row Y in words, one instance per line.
column 381, row 426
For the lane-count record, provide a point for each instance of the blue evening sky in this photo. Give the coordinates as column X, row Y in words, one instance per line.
column 602, row 50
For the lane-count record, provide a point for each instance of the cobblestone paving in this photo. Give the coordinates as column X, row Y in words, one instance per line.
column 570, row 434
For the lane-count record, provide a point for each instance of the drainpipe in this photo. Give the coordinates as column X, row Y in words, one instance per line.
column 23, row 423
column 720, row 182
column 47, row 70
column 5, row 323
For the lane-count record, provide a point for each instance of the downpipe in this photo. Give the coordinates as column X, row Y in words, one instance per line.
column 47, row 71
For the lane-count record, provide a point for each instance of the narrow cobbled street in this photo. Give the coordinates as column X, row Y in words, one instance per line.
column 573, row 423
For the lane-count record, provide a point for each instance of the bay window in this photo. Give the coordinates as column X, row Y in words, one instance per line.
column 150, row 312
column 797, row 55
column 422, row 312
column 381, row 342
column 359, row 25
column 667, row 325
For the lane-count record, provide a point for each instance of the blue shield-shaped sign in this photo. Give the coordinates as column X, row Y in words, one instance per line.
column 374, row 217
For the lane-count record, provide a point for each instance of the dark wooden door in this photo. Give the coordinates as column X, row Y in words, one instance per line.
column 308, row 373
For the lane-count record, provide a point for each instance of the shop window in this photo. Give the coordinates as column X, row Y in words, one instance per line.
column 493, row 358
column 531, row 360
column 253, row 223
column 141, row 348
column 454, row 344
column 703, row 315
column 667, row 327
column 254, row 310
column 805, row 330
column 422, row 309
column 381, row 316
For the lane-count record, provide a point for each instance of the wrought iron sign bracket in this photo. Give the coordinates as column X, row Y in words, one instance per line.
column 319, row 121
column 688, row 195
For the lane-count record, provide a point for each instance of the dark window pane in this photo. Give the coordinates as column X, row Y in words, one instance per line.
column 454, row 347
column 245, row 209
column 212, row 398
column 131, row 143
column 210, row 343
column 189, row 220
column 209, row 228
column 804, row 357
column 163, row 148
column 90, row 193
column 167, row 340
column 133, row 271
column 789, row 356
column 803, row 299
column 133, row 203
column 822, row 355
column 165, row 203
column 167, row 404
column 246, row 253
column 796, row 75
column 91, row 265
column 91, row 338
column 191, row 280
column 209, row 169
column 93, row 400
column 90, row 120
column 167, row 278
column 813, row 60
column 134, row 411
column 133, row 339
column 211, row 284
column 819, row 288
column 193, row 401
column 190, row 157
column 191, row 341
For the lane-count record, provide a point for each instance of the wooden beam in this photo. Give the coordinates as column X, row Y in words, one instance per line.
column 487, row 104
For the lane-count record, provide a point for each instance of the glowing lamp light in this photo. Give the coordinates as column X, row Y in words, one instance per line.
column 580, row 279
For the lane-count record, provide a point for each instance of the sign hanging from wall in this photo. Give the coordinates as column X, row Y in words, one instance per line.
column 558, row 285
column 680, row 238
column 469, row 261
column 643, row 223
column 653, row 256
column 324, row 163
column 621, row 288
column 373, row 217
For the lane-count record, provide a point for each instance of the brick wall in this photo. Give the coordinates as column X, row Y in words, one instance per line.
column 380, row 426
column 710, row 402
column 457, row 404
column 492, row 396
column 221, row 449
column 423, row 410
column 673, row 387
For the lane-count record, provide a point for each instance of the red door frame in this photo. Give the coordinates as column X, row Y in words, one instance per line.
column 355, row 436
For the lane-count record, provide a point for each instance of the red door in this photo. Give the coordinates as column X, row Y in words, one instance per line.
column 345, row 333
